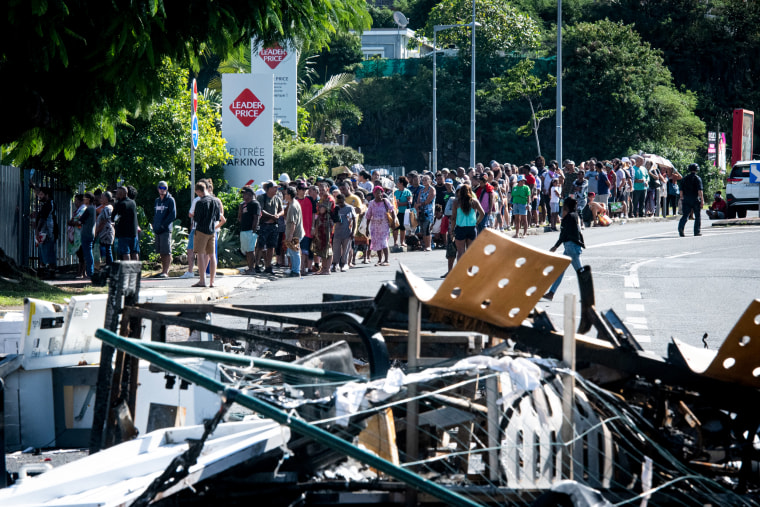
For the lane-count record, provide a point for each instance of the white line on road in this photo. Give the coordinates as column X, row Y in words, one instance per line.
column 682, row 255
column 632, row 295
column 636, row 320
column 640, row 327
column 643, row 338
column 634, row 308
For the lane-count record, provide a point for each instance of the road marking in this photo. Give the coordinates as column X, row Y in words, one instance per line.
column 682, row 255
column 632, row 295
column 634, row 308
column 636, row 320
column 643, row 338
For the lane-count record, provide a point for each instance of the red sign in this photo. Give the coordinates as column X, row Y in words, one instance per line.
column 246, row 107
column 195, row 96
column 273, row 56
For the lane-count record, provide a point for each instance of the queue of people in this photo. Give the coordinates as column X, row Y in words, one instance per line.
column 322, row 226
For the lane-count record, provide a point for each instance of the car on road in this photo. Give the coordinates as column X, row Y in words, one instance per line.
column 741, row 195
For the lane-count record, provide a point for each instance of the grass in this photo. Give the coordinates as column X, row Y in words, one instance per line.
column 13, row 294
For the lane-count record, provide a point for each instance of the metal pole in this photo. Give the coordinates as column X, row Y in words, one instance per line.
column 240, row 360
column 137, row 348
column 3, row 472
column 412, row 408
column 472, row 93
column 192, row 171
column 435, row 104
column 559, row 84
column 568, row 388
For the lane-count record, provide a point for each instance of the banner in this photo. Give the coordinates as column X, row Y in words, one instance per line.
column 247, row 125
column 712, row 147
column 280, row 61
column 722, row 152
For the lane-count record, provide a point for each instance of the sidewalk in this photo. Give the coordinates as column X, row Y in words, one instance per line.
column 179, row 290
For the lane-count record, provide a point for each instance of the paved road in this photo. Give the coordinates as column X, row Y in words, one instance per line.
column 660, row 284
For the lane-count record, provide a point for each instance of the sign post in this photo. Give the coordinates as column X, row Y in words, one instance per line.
column 195, row 135
column 754, row 177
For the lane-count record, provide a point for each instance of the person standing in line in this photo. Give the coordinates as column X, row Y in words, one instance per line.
column 45, row 230
column 520, row 201
column 691, row 200
column 104, row 229
column 165, row 213
column 425, row 212
column 271, row 210
column 248, row 218
column 87, row 223
column 466, row 216
column 379, row 228
column 308, row 210
column 640, row 183
column 293, row 230
column 345, row 227
column 571, row 238
column 191, row 241
column 404, row 199
column 207, row 213
column 125, row 218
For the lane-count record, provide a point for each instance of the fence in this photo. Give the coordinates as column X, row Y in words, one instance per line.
column 19, row 205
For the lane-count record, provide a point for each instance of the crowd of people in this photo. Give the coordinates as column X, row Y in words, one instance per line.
column 326, row 225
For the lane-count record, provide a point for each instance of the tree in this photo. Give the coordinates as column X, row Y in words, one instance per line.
column 329, row 106
column 520, row 83
column 616, row 89
column 76, row 69
column 342, row 55
column 504, row 29
column 155, row 145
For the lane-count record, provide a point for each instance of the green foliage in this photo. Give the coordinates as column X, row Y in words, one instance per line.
column 178, row 238
column 382, row 17
column 228, row 249
column 617, row 84
column 338, row 155
column 329, row 105
column 521, row 83
column 504, row 28
column 87, row 64
column 343, row 55
column 154, row 146
column 302, row 159
column 231, row 202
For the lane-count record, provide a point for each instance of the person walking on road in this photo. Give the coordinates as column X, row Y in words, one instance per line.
column 691, row 200
column 165, row 213
column 571, row 238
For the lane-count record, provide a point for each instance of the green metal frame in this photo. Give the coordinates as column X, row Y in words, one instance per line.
column 138, row 349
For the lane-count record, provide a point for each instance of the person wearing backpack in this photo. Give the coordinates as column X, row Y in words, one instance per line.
column 46, row 231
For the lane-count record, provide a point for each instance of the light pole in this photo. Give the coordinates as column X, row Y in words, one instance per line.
column 558, row 145
column 436, row 29
column 472, row 92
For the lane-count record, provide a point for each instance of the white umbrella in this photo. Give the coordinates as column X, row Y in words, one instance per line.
column 660, row 161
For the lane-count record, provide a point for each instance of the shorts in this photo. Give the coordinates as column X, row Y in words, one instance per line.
column 425, row 227
column 204, row 243
column 520, row 209
column 306, row 247
column 127, row 246
column 163, row 243
column 267, row 236
column 190, row 238
column 464, row 233
column 248, row 241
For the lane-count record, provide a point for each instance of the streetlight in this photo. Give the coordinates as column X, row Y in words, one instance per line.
column 436, row 29
column 558, row 141
column 472, row 92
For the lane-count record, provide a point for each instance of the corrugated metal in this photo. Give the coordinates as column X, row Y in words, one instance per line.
column 10, row 212
column 62, row 203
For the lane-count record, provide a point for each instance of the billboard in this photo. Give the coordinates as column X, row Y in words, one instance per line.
column 247, row 125
column 280, row 61
column 742, row 135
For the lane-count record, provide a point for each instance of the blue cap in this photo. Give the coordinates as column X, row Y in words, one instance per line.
column 449, row 181
column 520, row 177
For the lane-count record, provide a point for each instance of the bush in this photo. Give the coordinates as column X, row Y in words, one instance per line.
column 338, row 155
column 228, row 249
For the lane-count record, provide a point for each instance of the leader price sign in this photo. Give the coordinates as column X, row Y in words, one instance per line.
column 247, row 125
column 281, row 61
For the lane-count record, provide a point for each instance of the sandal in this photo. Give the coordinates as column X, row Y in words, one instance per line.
column 199, row 284
column 386, row 263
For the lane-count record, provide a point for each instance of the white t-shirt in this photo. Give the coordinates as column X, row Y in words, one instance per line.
column 556, row 192
column 436, row 229
column 620, row 177
column 192, row 212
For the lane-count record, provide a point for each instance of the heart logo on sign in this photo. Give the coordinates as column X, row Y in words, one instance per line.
column 246, row 107
column 273, row 56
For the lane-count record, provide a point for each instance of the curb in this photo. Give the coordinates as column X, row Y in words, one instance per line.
column 202, row 296
column 729, row 222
